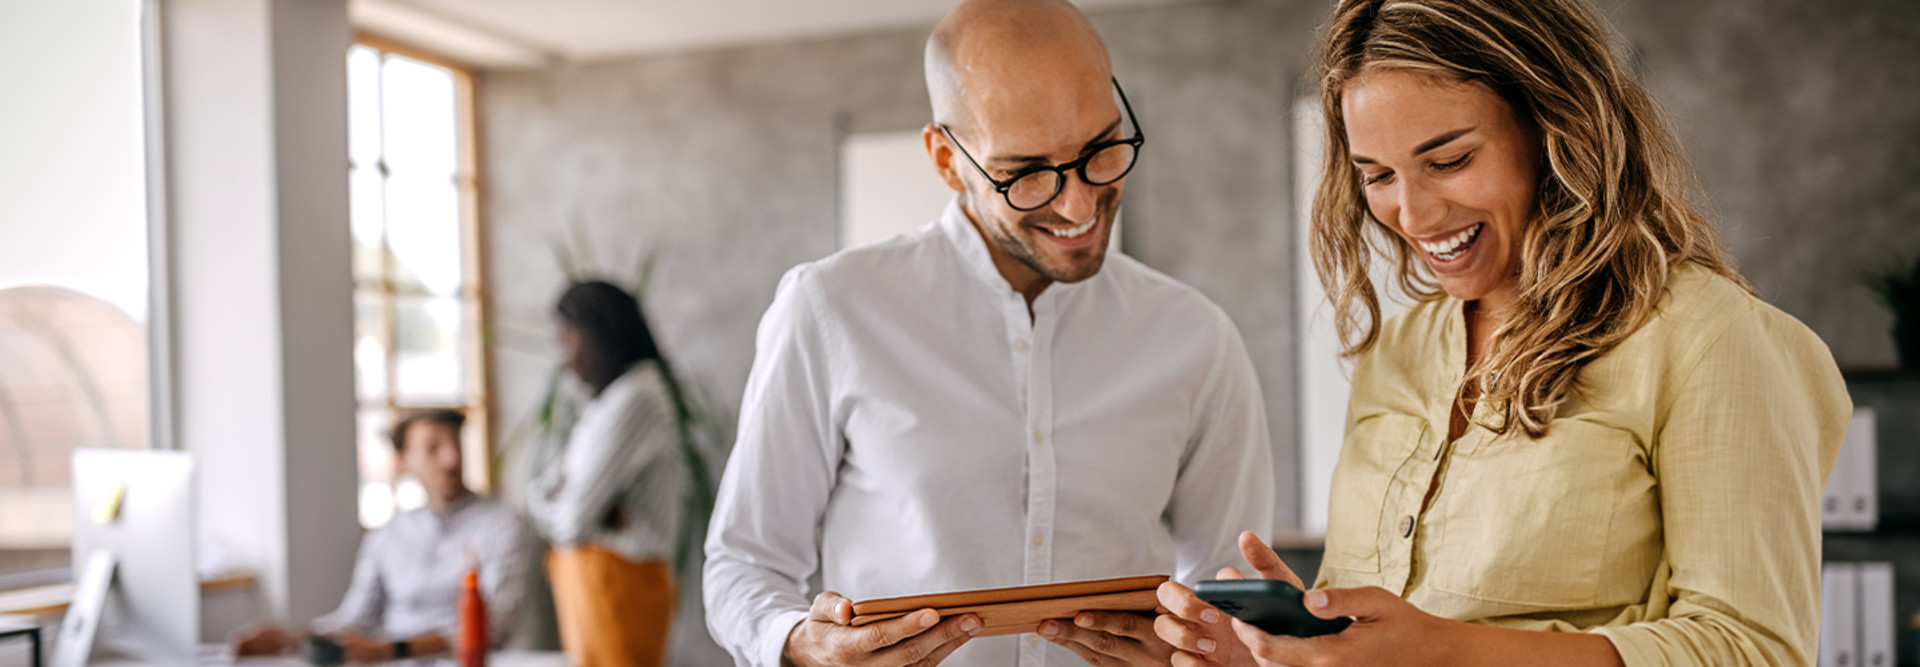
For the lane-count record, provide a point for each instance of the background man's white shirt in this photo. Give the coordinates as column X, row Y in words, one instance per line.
column 908, row 429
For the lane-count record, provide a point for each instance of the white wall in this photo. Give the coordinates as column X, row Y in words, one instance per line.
column 72, row 170
column 887, row 186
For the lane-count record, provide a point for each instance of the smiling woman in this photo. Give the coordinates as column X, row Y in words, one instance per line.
column 1588, row 443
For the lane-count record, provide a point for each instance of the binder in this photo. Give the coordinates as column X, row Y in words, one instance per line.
column 1839, row 633
column 1877, row 622
column 1852, row 500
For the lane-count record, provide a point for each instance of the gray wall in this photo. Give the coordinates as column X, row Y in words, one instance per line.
column 1803, row 119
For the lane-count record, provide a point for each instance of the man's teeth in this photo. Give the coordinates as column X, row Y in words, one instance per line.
column 1073, row 232
column 1454, row 246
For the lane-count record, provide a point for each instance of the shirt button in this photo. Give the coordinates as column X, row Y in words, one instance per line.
column 1038, row 437
column 1020, row 345
column 1033, row 640
column 1406, row 526
column 1039, row 539
column 999, row 284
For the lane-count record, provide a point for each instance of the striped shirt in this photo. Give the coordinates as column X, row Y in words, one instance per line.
column 619, row 480
column 407, row 578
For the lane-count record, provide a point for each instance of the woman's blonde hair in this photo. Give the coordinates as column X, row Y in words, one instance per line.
column 1612, row 211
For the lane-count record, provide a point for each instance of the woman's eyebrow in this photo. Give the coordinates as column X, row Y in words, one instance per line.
column 1442, row 140
column 1427, row 145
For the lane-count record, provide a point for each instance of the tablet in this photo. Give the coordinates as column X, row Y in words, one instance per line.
column 1020, row 609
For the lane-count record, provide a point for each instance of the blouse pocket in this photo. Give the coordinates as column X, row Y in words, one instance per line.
column 1529, row 522
column 1375, row 449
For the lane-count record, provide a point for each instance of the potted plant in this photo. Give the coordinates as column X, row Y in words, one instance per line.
column 1899, row 290
column 705, row 426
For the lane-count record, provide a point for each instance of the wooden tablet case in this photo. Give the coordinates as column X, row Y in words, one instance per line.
column 1020, row 609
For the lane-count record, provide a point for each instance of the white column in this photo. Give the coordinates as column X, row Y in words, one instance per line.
column 254, row 106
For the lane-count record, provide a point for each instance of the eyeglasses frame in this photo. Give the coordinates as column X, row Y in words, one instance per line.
column 1078, row 166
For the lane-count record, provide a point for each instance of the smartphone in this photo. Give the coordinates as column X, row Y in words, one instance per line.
column 1271, row 605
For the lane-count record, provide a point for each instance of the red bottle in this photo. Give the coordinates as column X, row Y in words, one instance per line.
column 473, row 623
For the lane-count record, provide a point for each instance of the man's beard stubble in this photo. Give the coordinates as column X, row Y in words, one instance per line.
column 1018, row 250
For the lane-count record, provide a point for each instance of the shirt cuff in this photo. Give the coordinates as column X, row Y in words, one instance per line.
column 1635, row 645
column 774, row 642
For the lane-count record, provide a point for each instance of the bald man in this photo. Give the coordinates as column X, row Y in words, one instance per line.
column 992, row 400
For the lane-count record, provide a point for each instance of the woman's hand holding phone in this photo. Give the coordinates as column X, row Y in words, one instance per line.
column 1201, row 634
column 1386, row 629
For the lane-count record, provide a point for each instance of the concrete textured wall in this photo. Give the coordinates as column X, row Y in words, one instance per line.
column 1802, row 118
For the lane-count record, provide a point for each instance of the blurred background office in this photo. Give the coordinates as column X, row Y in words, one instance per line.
column 259, row 230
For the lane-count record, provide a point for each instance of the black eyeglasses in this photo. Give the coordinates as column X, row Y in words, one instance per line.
column 1034, row 187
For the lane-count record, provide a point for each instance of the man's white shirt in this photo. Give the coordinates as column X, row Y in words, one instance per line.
column 908, row 429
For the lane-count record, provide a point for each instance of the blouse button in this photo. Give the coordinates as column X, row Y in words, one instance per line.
column 1406, row 526
column 1020, row 345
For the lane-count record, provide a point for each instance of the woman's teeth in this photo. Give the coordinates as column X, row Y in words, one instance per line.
column 1073, row 232
column 1453, row 247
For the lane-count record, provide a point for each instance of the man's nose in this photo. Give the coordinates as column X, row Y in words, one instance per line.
column 1077, row 201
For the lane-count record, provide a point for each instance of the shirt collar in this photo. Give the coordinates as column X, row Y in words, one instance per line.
column 453, row 508
column 972, row 247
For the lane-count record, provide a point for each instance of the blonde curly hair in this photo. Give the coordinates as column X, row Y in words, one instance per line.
column 1612, row 217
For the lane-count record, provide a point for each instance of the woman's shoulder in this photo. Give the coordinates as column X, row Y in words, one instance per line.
column 1701, row 306
column 1704, row 310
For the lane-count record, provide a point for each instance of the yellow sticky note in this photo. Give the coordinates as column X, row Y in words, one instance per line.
column 109, row 508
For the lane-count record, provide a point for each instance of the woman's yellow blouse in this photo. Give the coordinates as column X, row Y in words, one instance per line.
column 1673, row 506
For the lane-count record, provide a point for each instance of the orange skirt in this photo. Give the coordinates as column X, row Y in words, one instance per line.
column 613, row 612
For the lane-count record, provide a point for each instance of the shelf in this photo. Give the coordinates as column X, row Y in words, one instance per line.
column 51, row 600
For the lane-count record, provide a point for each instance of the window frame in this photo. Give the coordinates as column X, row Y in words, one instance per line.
column 474, row 292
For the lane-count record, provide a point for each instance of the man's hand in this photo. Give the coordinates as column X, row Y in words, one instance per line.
column 1109, row 638
column 828, row 638
column 356, row 647
column 265, row 640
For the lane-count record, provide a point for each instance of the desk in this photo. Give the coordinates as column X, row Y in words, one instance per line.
column 221, row 655
column 15, row 626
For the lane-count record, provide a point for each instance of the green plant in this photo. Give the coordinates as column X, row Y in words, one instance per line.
column 1899, row 290
column 704, row 424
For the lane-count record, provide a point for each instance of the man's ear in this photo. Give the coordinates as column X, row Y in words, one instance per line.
column 940, row 151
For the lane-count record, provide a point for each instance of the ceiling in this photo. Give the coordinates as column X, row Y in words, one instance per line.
column 518, row 34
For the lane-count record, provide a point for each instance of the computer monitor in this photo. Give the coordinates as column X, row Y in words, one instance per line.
column 152, row 610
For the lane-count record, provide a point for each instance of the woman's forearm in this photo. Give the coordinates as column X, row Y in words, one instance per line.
column 1483, row 646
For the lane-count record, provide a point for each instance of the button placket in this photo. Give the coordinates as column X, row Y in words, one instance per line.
column 1400, row 515
column 1042, row 482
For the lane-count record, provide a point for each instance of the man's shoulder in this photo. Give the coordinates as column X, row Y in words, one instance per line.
column 906, row 266
column 1167, row 296
column 862, row 263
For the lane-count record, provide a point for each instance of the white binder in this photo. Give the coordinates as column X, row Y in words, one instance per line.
column 1852, row 499
column 1877, row 623
column 1839, row 604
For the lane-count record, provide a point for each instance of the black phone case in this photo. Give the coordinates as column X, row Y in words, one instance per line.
column 1272, row 606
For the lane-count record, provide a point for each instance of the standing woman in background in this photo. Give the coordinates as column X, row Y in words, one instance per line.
column 1588, row 443
column 612, row 499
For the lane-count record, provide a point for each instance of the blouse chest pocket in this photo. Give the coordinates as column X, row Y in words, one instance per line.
column 1532, row 522
column 1374, row 451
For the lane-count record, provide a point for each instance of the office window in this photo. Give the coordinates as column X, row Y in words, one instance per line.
column 73, row 264
column 417, row 294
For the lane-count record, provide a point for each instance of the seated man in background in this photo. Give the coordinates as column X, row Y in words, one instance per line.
column 405, row 596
